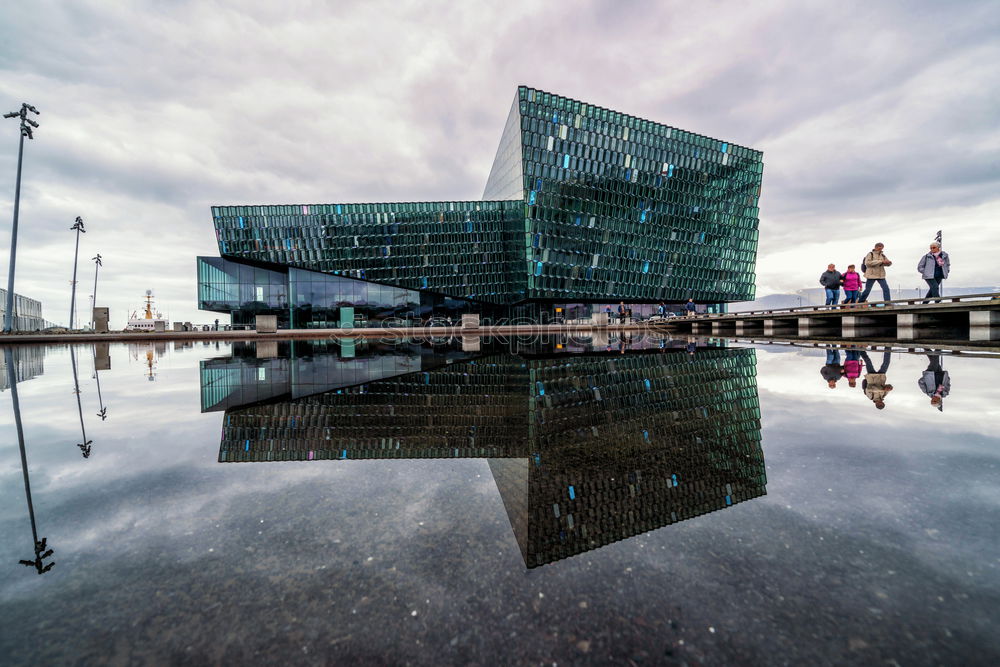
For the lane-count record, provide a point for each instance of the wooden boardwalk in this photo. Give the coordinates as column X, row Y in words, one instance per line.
column 975, row 316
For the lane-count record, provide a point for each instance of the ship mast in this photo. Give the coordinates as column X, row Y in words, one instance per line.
column 149, row 302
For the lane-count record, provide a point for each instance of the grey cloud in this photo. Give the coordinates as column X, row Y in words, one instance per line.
column 154, row 112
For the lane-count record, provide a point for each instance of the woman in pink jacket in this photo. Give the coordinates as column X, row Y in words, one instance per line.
column 852, row 285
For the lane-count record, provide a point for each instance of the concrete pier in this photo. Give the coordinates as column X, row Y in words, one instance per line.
column 984, row 325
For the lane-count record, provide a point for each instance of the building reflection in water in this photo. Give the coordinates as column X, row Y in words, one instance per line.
column 586, row 447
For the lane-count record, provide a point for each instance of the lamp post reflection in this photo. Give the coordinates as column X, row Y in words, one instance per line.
column 42, row 551
column 85, row 445
column 103, row 414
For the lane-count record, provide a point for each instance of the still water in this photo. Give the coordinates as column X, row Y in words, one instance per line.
column 475, row 501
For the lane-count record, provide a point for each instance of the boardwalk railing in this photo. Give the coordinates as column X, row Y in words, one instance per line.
column 974, row 315
column 849, row 308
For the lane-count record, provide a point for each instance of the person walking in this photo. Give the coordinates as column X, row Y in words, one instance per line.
column 852, row 285
column 621, row 312
column 874, row 269
column 832, row 371
column 831, row 280
column 874, row 385
column 852, row 367
column 661, row 309
column 690, row 307
column 934, row 267
column 935, row 381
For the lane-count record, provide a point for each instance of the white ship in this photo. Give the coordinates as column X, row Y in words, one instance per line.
column 148, row 321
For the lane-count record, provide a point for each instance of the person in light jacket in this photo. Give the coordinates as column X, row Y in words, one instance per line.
column 874, row 385
column 933, row 268
column 874, row 267
column 935, row 381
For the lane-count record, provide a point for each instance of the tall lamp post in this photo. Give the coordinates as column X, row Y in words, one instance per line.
column 26, row 125
column 97, row 266
column 78, row 226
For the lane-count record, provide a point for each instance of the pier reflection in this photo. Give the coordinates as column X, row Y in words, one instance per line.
column 586, row 447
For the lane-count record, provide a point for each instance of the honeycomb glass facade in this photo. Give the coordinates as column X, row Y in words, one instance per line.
column 583, row 205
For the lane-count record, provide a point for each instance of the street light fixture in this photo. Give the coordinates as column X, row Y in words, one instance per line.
column 26, row 125
column 78, row 226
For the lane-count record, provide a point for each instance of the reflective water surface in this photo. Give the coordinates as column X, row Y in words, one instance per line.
column 484, row 501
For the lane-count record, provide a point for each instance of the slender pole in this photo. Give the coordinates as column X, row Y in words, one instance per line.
column 85, row 446
column 72, row 299
column 97, row 267
column 8, row 316
column 39, row 546
column 103, row 414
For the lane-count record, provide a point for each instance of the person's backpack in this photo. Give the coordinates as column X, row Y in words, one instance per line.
column 864, row 267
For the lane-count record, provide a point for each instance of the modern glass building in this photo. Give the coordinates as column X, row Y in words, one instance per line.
column 578, row 461
column 583, row 207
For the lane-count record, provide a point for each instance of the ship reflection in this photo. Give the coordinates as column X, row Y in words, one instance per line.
column 586, row 448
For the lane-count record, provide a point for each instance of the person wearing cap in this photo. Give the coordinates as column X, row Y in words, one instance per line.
column 935, row 381
column 933, row 268
column 874, row 268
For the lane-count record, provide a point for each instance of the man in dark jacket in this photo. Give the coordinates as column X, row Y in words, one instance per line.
column 831, row 280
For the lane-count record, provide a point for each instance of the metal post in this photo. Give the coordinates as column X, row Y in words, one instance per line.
column 103, row 414
column 97, row 266
column 40, row 546
column 78, row 226
column 8, row 317
column 85, row 446
column 26, row 125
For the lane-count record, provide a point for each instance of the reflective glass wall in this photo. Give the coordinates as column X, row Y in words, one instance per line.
column 624, row 208
column 310, row 300
column 467, row 249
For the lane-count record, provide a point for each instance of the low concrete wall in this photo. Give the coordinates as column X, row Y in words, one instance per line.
column 267, row 323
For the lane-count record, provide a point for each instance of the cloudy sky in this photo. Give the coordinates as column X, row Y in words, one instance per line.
column 878, row 121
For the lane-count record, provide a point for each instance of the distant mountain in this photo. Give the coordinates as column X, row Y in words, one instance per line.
column 816, row 297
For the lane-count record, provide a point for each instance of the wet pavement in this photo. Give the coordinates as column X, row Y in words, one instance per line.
column 474, row 501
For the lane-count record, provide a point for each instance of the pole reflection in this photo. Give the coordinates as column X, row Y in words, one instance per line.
column 41, row 548
column 84, row 446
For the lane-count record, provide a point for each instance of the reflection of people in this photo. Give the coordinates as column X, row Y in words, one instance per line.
column 852, row 367
column 933, row 268
column 935, row 381
column 874, row 384
column 832, row 371
column 692, row 346
column 874, row 268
